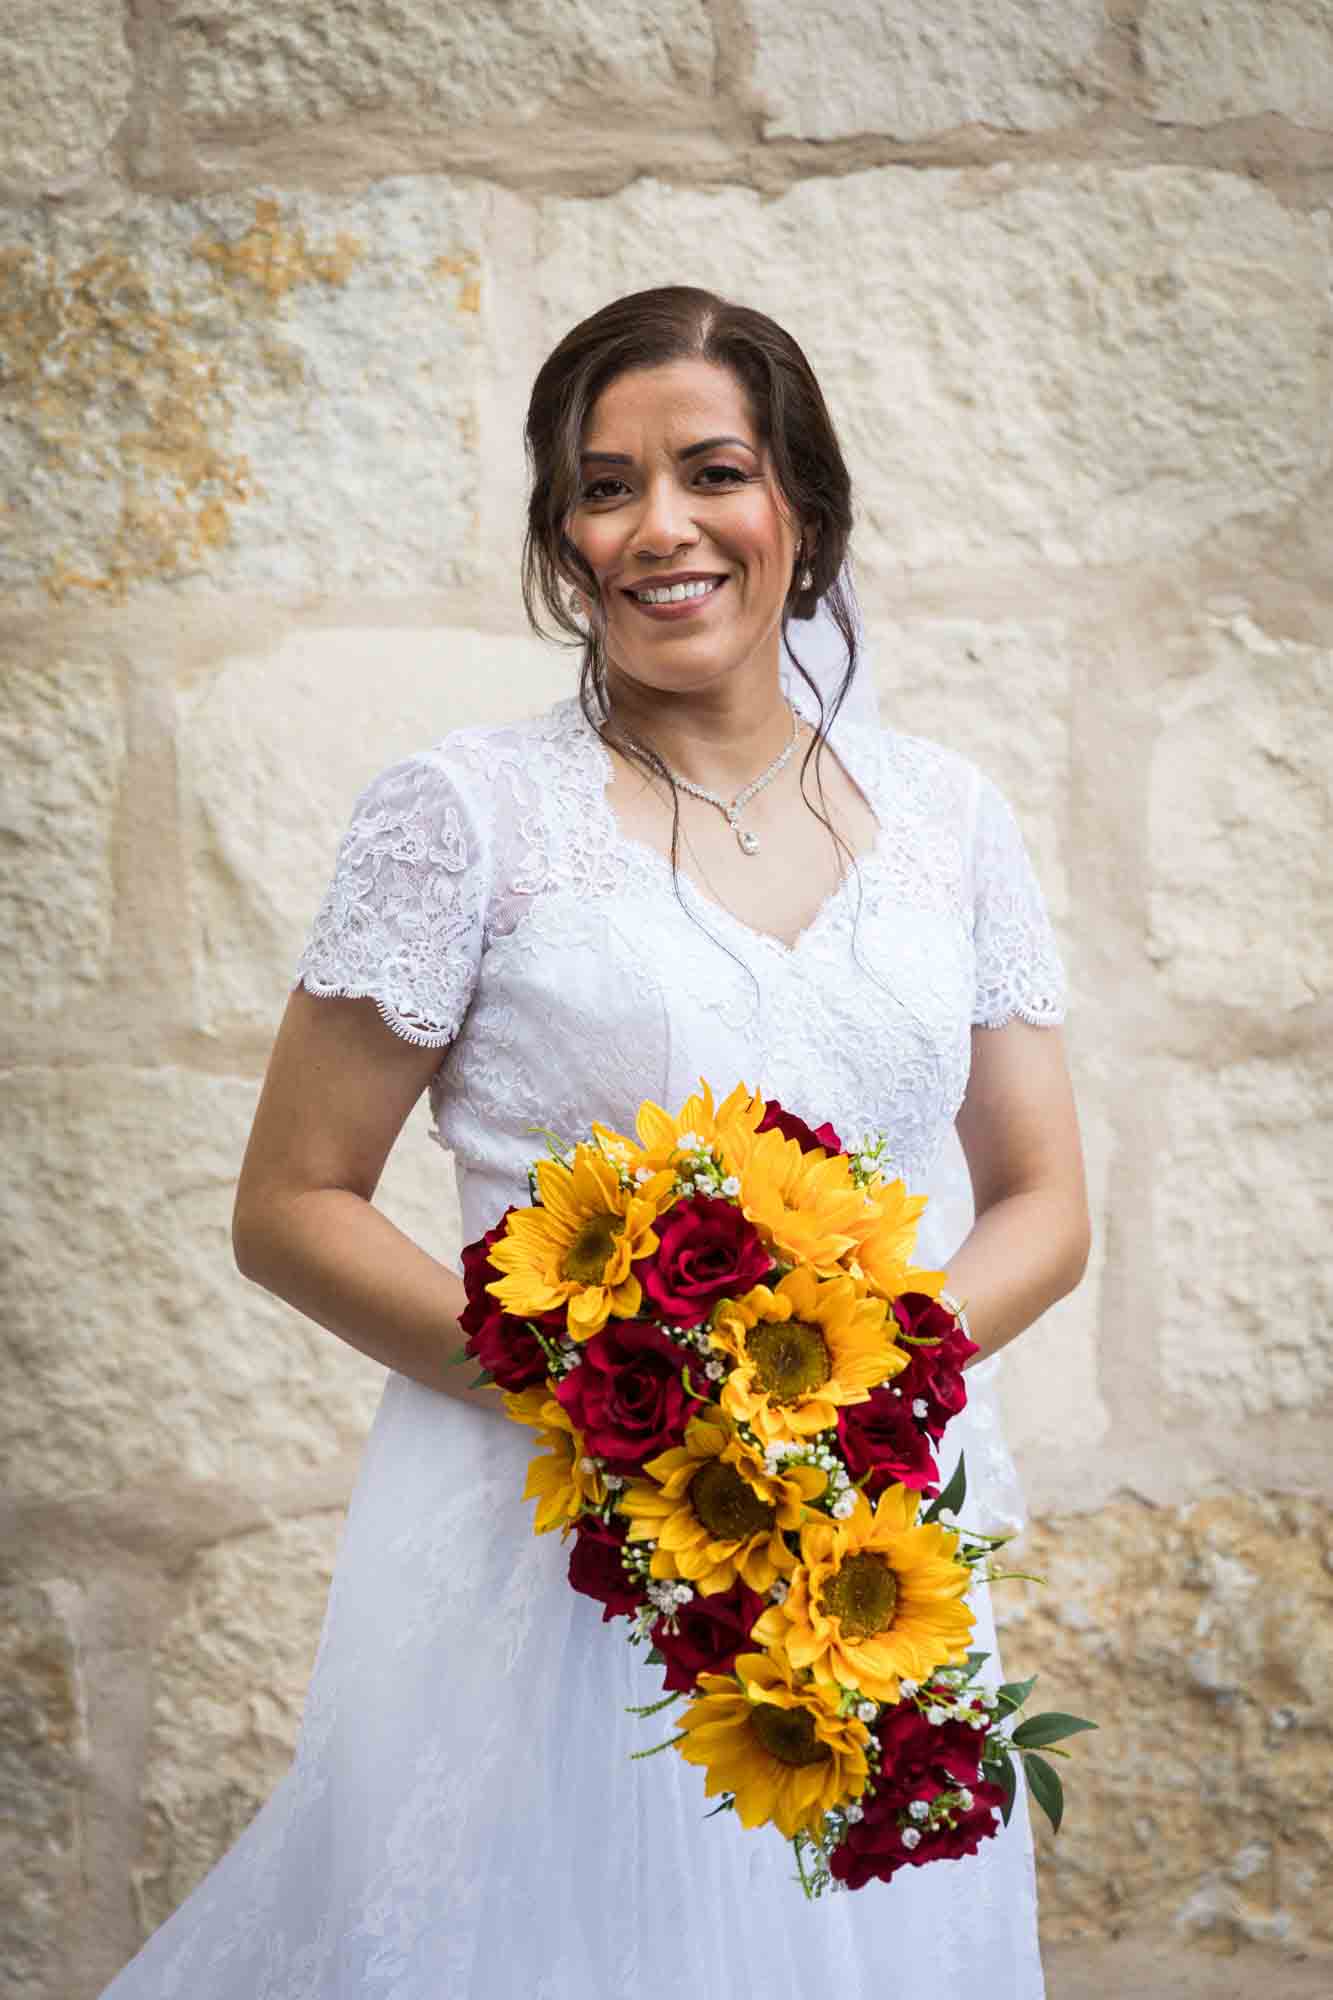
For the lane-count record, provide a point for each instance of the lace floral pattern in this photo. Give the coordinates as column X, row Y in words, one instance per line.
column 465, row 1752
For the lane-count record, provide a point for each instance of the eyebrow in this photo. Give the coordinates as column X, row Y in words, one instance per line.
column 690, row 451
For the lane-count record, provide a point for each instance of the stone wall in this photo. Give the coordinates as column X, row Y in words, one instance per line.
column 275, row 280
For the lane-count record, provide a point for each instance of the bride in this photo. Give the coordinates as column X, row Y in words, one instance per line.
column 711, row 861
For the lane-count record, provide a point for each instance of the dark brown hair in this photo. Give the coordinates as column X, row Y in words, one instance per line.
column 646, row 330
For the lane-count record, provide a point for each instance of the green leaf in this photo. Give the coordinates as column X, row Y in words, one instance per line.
column 669, row 1743
column 953, row 1494
column 652, row 1707
column 689, row 1387
column 1044, row 1783
column 728, row 1805
column 1014, row 1693
column 975, row 1661
column 459, row 1355
column 656, row 1659
column 1008, row 1783
column 482, row 1381
column 1039, row 1730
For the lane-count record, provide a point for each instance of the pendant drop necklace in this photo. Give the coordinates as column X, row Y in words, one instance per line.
column 731, row 809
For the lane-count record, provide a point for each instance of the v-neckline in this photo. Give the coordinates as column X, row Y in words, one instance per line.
column 629, row 844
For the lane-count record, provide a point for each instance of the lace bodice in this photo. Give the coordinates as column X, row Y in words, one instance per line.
column 486, row 900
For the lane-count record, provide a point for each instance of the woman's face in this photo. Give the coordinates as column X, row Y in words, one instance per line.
column 675, row 489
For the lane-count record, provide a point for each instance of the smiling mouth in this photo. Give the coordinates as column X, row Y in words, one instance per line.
column 660, row 596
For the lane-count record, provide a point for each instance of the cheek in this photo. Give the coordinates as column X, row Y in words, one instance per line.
column 760, row 535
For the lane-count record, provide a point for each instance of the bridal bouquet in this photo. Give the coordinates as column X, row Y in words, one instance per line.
column 739, row 1384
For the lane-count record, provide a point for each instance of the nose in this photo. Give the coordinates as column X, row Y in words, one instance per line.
column 665, row 522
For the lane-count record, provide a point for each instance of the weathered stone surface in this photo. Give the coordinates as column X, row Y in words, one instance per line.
column 1240, row 1220
column 43, row 1759
column 1240, row 821
column 1059, row 364
column 1200, row 1640
column 147, row 1361
column 229, row 1681
column 830, row 72
column 1210, row 59
column 64, row 88
column 263, row 393
column 247, row 66
column 273, row 754
column 62, row 745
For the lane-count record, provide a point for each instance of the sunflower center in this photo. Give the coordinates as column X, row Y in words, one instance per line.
column 788, row 1734
column 790, row 1357
column 863, row 1595
column 727, row 1505
column 589, row 1254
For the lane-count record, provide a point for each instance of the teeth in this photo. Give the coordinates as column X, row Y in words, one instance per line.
column 676, row 593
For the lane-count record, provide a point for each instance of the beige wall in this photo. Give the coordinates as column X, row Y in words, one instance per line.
column 275, row 279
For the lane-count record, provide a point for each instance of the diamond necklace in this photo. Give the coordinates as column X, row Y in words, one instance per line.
column 749, row 842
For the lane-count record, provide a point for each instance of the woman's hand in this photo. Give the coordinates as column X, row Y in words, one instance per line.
column 338, row 1090
column 1019, row 1131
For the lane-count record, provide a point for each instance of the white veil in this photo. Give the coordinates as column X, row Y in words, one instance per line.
column 819, row 645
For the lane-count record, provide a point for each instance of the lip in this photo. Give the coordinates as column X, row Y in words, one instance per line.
column 688, row 607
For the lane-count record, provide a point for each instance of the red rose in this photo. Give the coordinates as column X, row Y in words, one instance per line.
column 595, row 1567
column 910, row 1747
column 934, row 1374
column 792, row 1127
column 882, row 1438
column 626, row 1394
column 706, row 1251
column 710, row 1631
column 505, row 1347
column 918, row 1760
column 968, row 1830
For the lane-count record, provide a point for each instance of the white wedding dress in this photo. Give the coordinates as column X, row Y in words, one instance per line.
column 462, row 1820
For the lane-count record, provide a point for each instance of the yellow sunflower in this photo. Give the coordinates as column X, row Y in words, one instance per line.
column 714, row 1512
column 660, row 1134
column 577, row 1248
column 874, row 1598
column 779, row 1746
column 885, row 1235
column 805, row 1206
column 559, row 1484
column 802, row 1349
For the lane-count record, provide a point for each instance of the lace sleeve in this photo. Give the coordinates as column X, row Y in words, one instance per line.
column 401, row 921
column 1019, row 970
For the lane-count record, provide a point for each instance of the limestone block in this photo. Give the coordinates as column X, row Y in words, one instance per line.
column 64, row 88
column 43, row 1760
column 831, row 72
column 229, row 1683
column 273, row 752
column 1211, row 59
column 62, row 746
column 146, row 1361
column 274, row 394
column 1239, row 1196
column 248, row 66
column 1200, row 1640
column 1239, row 824
column 1059, row 364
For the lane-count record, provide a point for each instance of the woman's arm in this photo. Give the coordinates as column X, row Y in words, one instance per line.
column 338, row 1090
column 1019, row 1131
